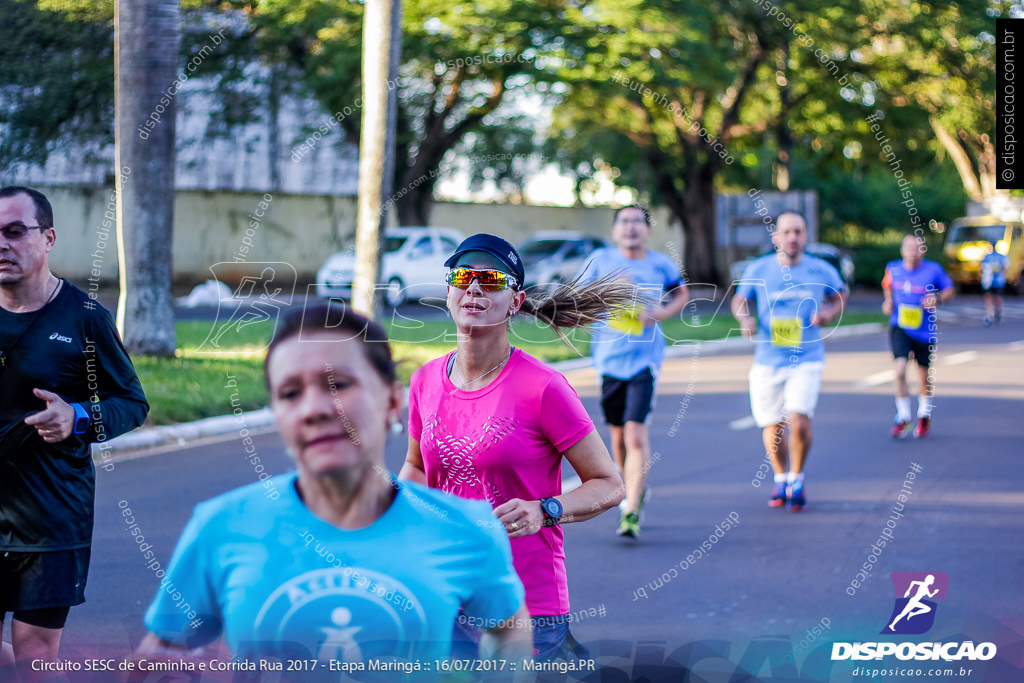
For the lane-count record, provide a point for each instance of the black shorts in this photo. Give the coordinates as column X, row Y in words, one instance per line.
column 42, row 583
column 903, row 345
column 627, row 400
column 997, row 290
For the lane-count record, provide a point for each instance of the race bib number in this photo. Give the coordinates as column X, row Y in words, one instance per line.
column 786, row 332
column 628, row 321
column 909, row 317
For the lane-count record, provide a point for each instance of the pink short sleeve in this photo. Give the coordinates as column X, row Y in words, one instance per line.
column 564, row 420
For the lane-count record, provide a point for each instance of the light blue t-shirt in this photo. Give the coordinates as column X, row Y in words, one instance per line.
column 281, row 583
column 993, row 270
column 623, row 348
column 787, row 298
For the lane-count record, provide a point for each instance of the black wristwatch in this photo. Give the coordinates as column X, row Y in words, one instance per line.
column 552, row 510
column 81, row 419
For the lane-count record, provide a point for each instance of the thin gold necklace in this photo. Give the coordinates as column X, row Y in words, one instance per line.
column 459, row 386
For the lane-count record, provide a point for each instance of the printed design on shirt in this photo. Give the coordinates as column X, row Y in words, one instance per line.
column 59, row 337
column 908, row 287
column 348, row 614
column 795, row 294
column 458, row 453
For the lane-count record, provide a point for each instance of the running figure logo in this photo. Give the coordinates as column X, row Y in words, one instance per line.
column 257, row 299
column 914, row 613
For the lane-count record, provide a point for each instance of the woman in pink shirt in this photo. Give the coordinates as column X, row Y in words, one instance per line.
column 492, row 422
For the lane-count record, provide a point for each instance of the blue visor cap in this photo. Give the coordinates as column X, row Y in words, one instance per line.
column 496, row 247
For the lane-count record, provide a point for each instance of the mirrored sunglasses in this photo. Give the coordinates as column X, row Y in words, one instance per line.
column 490, row 280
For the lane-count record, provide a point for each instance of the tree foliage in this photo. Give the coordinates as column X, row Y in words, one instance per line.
column 939, row 58
column 56, row 75
column 651, row 93
column 663, row 91
column 787, row 88
column 461, row 62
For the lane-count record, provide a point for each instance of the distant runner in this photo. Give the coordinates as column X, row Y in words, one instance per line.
column 629, row 349
column 789, row 356
column 912, row 288
column 993, row 281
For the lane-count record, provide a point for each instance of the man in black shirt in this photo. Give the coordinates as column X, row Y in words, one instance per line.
column 65, row 382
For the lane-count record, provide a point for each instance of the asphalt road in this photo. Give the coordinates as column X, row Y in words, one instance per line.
column 763, row 599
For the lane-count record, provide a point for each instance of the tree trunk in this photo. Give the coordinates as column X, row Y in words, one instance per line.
column 373, row 140
column 274, row 128
column 148, row 38
column 699, row 226
column 392, row 150
column 418, row 180
column 418, row 203
column 784, row 137
column 961, row 160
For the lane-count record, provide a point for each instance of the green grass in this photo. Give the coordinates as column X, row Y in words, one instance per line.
column 194, row 384
column 186, row 389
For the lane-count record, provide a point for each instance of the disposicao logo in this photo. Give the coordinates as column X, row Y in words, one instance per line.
column 913, row 613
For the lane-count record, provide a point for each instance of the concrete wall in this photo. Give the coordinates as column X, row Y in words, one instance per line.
column 303, row 230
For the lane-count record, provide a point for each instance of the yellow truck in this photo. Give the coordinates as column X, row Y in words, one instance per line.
column 969, row 239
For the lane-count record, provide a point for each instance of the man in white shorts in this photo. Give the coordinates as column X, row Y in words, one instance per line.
column 795, row 294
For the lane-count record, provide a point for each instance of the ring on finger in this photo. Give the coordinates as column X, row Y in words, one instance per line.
column 514, row 526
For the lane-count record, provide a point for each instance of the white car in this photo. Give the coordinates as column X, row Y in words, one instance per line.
column 832, row 255
column 554, row 257
column 412, row 266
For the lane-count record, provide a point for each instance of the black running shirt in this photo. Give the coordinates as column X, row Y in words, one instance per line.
column 69, row 347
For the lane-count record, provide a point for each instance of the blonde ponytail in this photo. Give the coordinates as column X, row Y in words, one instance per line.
column 573, row 305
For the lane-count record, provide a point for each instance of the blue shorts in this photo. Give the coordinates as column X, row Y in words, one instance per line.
column 552, row 640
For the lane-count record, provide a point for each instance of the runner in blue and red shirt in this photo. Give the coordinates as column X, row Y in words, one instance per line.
column 913, row 287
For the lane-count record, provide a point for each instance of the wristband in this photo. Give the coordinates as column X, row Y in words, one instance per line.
column 81, row 425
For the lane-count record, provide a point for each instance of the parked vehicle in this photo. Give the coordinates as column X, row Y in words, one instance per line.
column 412, row 266
column 970, row 239
column 826, row 252
column 554, row 257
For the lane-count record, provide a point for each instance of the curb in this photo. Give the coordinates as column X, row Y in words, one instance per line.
column 182, row 434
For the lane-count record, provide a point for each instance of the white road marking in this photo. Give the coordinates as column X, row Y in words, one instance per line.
column 960, row 358
column 876, row 379
column 742, row 423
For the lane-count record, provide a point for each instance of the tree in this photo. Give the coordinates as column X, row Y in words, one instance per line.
column 459, row 64
column 661, row 89
column 941, row 59
column 671, row 82
column 148, row 40
column 56, row 75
